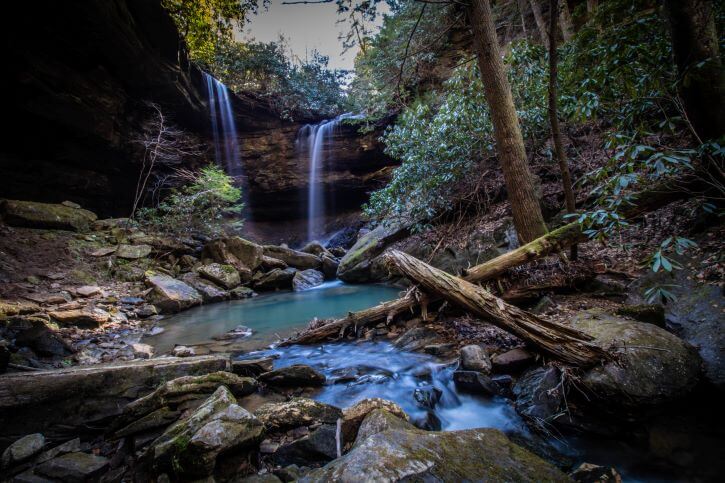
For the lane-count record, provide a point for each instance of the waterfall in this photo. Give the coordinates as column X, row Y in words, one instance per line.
column 226, row 146
column 311, row 141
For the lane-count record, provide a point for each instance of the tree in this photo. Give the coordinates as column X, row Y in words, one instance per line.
column 700, row 70
column 528, row 220
column 540, row 23
column 554, row 118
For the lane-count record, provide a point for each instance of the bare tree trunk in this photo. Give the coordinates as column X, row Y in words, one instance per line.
column 559, row 341
column 702, row 83
column 540, row 23
column 510, row 148
column 567, row 26
column 554, row 119
column 553, row 242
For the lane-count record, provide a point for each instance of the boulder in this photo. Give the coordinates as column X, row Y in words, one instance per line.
column 512, row 361
column 88, row 290
column 223, row 275
column 252, row 367
column 297, row 412
column 60, row 401
column 355, row 265
column 650, row 313
column 171, row 295
column 189, row 448
column 475, row 358
column 240, row 293
column 133, row 252
column 235, row 251
column 276, row 279
column 314, row 248
column 590, row 473
column 379, row 420
column 86, row 318
column 306, row 279
column 210, row 292
column 427, row 396
column 142, row 351
column 476, row 383
column 74, row 467
column 354, row 415
column 294, row 375
column 183, row 351
column 539, row 395
column 29, row 214
column 652, row 366
column 22, row 450
column 269, row 263
column 416, row 455
column 293, row 258
column 34, row 332
column 238, row 332
column 329, row 266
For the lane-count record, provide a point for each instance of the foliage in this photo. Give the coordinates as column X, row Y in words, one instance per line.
column 442, row 138
column 303, row 88
column 203, row 23
column 198, row 206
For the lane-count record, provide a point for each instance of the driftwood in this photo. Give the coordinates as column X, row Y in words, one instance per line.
column 559, row 341
column 555, row 241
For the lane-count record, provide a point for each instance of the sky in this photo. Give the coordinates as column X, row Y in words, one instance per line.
column 306, row 27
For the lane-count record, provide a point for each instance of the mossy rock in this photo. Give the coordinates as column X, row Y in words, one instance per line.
column 355, row 266
column 485, row 455
column 30, row 214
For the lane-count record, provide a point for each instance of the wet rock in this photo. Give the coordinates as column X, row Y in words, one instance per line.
column 590, row 473
column 189, row 448
column 475, row 358
column 512, row 361
column 252, row 367
column 276, row 279
column 476, row 383
column 650, row 313
column 293, row 258
column 539, row 395
column 415, row 455
column 319, row 446
column 354, row 415
column 427, row 396
column 35, row 333
column 29, row 214
column 440, row 350
column 86, row 318
column 329, row 266
column 270, row 263
column 133, row 252
column 240, row 293
column 223, row 275
column 88, row 290
column 652, row 366
column 22, row 450
column 415, row 339
column 171, row 295
column 146, row 311
column 379, row 420
column 183, row 351
column 306, row 279
column 239, row 332
column 210, row 293
column 355, row 266
column 142, row 351
column 295, row 375
column 74, row 467
column 297, row 412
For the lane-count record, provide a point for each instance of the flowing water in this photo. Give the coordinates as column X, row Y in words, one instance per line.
column 311, row 141
column 270, row 316
column 226, row 146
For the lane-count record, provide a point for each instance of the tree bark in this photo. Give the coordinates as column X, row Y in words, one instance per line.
column 559, row 341
column 567, row 26
column 554, row 119
column 696, row 52
column 540, row 23
column 510, row 148
column 555, row 241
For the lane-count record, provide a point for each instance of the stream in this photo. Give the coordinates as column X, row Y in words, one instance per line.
column 423, row 384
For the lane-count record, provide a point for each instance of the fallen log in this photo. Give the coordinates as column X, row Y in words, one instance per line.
column 553, row 242
column 559, row 341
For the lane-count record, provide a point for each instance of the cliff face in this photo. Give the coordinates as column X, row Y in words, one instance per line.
column 78, row 75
